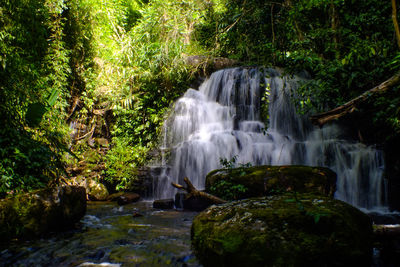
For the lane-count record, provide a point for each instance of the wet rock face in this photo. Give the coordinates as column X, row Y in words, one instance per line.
column 42, row 211
column 283, row 230
column 240, row 183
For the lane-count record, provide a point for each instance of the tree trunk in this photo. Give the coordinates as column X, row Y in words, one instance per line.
column 322, row 118
column 395, row 22
column 193, row 192
column 334, row 24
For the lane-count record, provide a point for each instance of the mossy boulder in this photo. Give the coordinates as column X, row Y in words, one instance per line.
column 283, row 230
column 39, row 212
column 245, row 182
column 94, row 189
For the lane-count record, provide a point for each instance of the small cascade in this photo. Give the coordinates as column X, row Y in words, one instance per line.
column 222, row 120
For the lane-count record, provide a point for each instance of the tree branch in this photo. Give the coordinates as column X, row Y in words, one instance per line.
column 322, row 118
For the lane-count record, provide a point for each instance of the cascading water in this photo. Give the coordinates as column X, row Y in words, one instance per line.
column 221, row 120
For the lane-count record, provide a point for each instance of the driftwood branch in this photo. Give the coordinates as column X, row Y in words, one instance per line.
column 322, row 118
column 193, row 192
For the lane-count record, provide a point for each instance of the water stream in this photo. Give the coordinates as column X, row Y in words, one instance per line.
column 111, row 235
column 222, row 120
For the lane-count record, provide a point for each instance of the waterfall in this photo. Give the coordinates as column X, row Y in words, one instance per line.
column 222, row 120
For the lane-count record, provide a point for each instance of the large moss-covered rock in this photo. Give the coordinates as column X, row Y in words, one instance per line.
column 94, row 189
column 283, row 230
column 34, row 214
column 239, row 183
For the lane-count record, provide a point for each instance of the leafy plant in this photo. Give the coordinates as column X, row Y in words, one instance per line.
column 315, row 214
column 228, row 190
column 228, row 164
column 121, row 164
column 33, row 66
column 231, row 164
column 35, row 111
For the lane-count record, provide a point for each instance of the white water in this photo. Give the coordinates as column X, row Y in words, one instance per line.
column 222, row 120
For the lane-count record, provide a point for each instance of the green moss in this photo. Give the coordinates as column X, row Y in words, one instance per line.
column 276, row 231
column 239, row 183
column 231, row 242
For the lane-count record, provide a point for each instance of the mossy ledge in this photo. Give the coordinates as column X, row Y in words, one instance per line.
column 283, row 230
column 257, row 181
column 35, row 214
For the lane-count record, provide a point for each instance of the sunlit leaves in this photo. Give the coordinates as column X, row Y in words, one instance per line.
column 33, row 66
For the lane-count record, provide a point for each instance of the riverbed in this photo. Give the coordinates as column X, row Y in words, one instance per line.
column 112, row 235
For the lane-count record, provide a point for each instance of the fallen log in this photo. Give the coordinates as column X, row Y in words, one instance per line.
column 324, row 117
column 193, row 192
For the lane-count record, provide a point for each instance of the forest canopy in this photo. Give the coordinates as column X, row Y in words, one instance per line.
column 114, row 67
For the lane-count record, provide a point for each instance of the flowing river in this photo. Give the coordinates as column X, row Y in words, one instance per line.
column 131, row 235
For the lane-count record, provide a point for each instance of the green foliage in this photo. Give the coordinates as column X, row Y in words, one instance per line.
column 145, row 72
column 231, row 164
column 228, row 164
column 227, row 189
column 33, row 66
column 121, row 162
column 35, row 111
column 126, row 55
column 383, row 112
column 25, row 163
column 395, row 63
